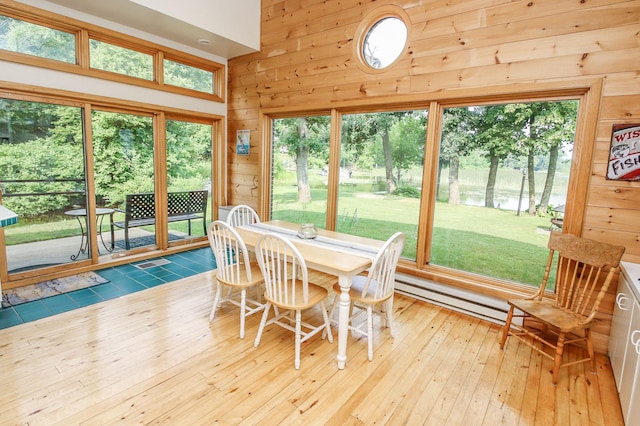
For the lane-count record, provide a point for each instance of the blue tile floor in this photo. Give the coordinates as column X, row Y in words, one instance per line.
column 123, row 279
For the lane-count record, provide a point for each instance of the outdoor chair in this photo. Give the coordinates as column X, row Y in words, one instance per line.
column 550, row 321
column 235, row 273
column 289, row 291
column 373, row 293
column 242, row 215
column 556, row 223
column 557, row 218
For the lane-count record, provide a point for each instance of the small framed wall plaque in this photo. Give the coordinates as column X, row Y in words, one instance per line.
column 243, row 139
column 624, row 154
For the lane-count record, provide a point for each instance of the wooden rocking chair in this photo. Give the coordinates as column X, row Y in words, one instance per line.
column 585, row 268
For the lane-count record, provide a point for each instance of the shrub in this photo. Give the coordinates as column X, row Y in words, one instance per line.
column 407, row 191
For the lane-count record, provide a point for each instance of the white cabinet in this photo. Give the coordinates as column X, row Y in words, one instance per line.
column 629, row 389
column 620, row 329
column 624, row 341
column 223, row 212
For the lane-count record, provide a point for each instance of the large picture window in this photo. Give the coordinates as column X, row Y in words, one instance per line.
column 496, row 181
column 300, row 159
column 503, row 173
column 381, row 157
column 123, row 147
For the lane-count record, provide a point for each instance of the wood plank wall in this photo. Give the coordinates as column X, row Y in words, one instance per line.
column 307, row 58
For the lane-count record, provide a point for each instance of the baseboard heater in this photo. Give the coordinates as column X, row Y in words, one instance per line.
column 465, row 301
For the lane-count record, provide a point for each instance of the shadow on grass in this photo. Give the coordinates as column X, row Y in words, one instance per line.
column 473, row 252
column 489, row 255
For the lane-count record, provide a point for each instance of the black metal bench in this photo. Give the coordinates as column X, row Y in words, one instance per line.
column 140, row 210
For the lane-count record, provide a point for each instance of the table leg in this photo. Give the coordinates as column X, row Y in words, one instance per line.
column 84, row 238
column 113, row 240
column 343, row 319
column 99, row 230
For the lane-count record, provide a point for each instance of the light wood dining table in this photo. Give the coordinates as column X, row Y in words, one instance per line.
column 334, row 253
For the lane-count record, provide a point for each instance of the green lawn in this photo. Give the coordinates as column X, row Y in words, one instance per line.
column 490, row 242
column 481, row 240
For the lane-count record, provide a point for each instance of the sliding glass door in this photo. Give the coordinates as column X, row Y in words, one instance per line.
column 189, row 159
column 123, row 157
column 43, row 180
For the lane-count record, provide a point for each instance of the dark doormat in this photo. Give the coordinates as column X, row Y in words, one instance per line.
column 147, row 240
column 32, row 267
column 29, row 293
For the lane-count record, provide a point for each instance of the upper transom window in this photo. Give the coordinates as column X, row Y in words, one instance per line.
column 37, row 40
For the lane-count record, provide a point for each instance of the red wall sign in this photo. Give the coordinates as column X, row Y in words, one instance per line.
column 624, row 155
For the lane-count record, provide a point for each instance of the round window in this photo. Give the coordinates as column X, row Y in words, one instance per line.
column 384, row 42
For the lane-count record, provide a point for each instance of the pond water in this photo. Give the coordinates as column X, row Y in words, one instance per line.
column 508, row 200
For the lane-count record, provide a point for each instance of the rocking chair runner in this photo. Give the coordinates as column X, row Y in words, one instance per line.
column 584, row 272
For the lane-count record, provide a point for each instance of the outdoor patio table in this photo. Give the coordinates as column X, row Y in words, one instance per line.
column 331, row 252
column 81, row 216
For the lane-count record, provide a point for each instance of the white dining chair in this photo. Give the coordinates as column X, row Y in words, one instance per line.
column 235, row 273
column 289, row 291
column 242, row 215
column 373, row 293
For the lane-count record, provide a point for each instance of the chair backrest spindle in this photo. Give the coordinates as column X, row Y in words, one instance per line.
column 383, row 267
column 283, row 269
column 585, row 269
column 242, row 215
column 229, row 251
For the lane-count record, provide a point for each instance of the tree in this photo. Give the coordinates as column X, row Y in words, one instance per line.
column 123, row 154
column 23, row 120
column 556, row 126
column 188, row 154
column 457, row 140
column 110, row 57
column 499, row 138
column 300, row 137
column 187, row 76
column 37, row 40
column 545, row 128
column 44, row 152
column 407, row 142
column 359, row 131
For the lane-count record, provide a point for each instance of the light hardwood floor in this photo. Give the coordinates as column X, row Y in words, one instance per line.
column 152, row 357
